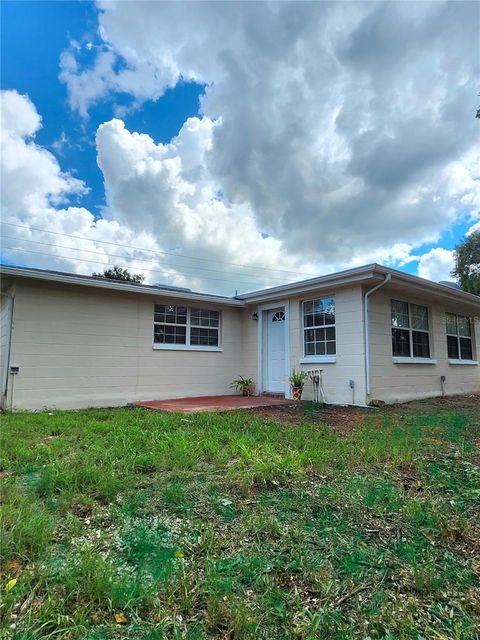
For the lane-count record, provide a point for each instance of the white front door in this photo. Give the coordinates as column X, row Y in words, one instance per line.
column 275, row 355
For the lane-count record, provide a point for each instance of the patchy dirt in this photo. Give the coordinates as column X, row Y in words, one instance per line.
column 470, row 403
column 344, row 418
column 341, row 418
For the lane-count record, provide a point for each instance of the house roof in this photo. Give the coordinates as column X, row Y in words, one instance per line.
column 370, row 274
column 115, row 285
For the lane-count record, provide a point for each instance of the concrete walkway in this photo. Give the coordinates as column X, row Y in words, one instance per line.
column 211, row 403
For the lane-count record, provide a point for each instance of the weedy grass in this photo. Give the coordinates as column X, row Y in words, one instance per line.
column 134, row 524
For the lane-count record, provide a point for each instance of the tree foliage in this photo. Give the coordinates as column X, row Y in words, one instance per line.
column 117, row 273
column 467, row 263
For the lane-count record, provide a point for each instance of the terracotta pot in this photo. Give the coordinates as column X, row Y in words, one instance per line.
column 297, row 393
column 248, row 391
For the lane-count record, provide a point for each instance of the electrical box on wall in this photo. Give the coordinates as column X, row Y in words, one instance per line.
column 14, row 370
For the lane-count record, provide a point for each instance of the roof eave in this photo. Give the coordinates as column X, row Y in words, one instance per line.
column 372, row 272
column 118, row 286
column 421, row 284
column 324, row 282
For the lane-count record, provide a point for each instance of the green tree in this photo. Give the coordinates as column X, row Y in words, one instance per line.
column 467, row 264
column 117, row 273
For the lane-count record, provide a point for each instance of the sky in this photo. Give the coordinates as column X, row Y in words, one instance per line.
column 233, row 146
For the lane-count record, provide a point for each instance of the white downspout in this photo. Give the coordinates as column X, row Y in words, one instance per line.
column 8, row 348
column 387, row 279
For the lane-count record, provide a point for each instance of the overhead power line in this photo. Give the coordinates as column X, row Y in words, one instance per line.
column 53, row 255
column 127, row 258
column 158, row 251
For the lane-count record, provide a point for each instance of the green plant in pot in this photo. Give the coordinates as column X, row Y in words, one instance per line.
column 245, row 386
column 297, row 381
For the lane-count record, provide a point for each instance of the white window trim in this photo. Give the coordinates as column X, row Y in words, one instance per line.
column 412, row 359
column 458, row 336
column 318, row 360
column 461, row 362
column 329, row 357
column 165, row 346
column 408, row 360
column 184, row 347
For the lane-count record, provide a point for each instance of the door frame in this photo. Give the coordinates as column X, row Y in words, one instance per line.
column 263, row 344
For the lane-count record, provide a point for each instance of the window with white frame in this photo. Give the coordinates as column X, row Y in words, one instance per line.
column 319, row 327
column 176, row 325
column 410, row 330
column 459, row 337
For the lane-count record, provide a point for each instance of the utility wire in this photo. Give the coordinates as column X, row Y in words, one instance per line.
column 157, row 251
column 164, row 273
column 126, row 258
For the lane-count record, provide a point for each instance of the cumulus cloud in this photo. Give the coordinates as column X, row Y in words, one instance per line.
column 36, row 194
column 340, row 127
column 160, row 199
column 31, row 176
column 436, row 265
column 167, row 190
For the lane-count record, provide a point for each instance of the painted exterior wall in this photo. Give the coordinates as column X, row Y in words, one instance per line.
column 249, row 362
column 399, row 382
column 77, row 347
column 349, row 364
column 350, row 357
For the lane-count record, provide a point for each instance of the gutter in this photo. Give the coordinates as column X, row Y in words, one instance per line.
column 388, row 278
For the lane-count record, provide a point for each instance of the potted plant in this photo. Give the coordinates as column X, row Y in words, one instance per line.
column 297, row 380
column 245, row 386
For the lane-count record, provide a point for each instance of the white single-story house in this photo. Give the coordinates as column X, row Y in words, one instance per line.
column 70, row 341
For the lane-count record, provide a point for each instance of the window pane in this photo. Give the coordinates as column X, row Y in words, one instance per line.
column 451, row 323
column 399, row 314
column 330, row 348
column 308, row 320
column 159, row 315
column 319, row 319
column 464, row 328
column 204, row 337
column 330, row 318
column 419, row 317
column 421, row 348
column 401, row 342
column 309, row 349
column 170, row 314
column 318, row 306
column 319, row 335
column 317, row 313
column 167, row 334
column 466, row 352
column 330, row 333
column 329, row 306
column 181, row 315
column 320, row 349
column 204, row 318
column 452, row 347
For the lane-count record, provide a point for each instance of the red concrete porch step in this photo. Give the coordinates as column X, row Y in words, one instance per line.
column 211, row 403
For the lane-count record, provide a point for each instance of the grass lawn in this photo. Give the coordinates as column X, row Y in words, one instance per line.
column 134, row 524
